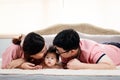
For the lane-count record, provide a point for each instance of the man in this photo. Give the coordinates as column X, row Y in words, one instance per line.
column 85, row 54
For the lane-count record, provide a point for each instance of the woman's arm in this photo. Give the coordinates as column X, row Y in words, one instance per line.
column 15, row 63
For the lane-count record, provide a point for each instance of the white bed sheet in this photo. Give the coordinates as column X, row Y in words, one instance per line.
column 61, row 72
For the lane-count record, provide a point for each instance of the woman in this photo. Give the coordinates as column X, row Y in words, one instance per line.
column 26, row 56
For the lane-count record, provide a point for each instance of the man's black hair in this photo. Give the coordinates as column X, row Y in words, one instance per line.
column 67, row 39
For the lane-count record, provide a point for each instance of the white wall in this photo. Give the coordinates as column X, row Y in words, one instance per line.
column 5, row 44
column 104, row 13
column 20, row 16
column 23, row 16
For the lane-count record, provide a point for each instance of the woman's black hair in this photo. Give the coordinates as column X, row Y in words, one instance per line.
column 33, row 43
column 17, row 41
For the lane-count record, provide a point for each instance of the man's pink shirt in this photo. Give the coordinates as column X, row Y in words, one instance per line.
column 92, row 51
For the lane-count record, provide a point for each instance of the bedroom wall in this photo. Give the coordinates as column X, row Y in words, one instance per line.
column 22, row 16
column 4, row 43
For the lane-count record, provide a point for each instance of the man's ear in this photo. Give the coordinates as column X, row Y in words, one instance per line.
column 72, row 51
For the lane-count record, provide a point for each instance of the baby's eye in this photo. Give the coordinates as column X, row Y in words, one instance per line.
column 52, row 58
column 47, row 57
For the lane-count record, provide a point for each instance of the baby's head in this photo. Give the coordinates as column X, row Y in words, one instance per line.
column 51, row 57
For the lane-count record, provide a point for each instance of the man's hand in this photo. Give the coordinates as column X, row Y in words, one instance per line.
column 74, row 64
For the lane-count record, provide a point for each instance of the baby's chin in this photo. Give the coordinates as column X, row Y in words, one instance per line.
column 49, row 65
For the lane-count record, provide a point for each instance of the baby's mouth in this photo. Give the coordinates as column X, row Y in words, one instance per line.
column 49, row 62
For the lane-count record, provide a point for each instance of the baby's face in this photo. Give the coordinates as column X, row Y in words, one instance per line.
column 50, row 59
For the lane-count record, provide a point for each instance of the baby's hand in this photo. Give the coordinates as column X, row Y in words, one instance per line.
column 38, row 67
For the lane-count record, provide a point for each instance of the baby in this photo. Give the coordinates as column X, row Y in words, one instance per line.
column 51, row 59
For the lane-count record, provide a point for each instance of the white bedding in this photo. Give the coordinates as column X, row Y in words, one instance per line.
column 61, row 72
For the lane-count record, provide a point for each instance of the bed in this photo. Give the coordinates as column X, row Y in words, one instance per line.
column 61, row 74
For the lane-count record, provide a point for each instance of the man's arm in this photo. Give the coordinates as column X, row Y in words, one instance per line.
column 104, row 63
